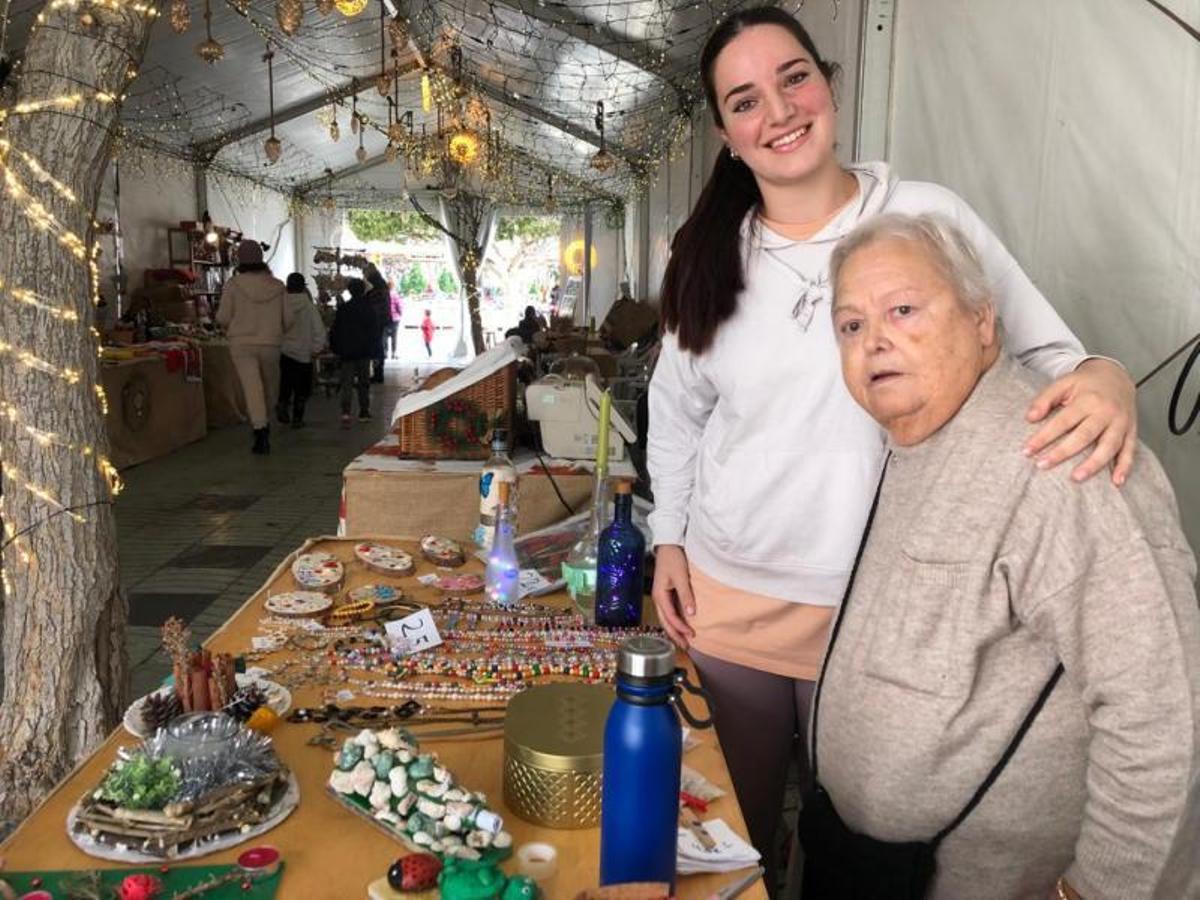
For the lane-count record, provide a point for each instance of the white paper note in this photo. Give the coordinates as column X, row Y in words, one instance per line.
column 414, row 633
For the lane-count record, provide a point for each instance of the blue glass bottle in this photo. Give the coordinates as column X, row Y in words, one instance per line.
column 621, row 565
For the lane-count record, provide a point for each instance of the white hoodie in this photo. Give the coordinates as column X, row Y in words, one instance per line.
column 762, row 465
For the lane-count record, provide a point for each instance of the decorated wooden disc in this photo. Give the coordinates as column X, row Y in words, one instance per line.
column 318, row 571
column 298, row 603
column 382, row 558
column 442, row 551
column 461, row 584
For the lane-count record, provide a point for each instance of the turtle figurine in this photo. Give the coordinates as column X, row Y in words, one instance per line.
column 464, row 879
column 520, row 887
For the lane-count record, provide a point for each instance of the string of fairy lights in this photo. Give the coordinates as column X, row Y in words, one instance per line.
column 32, row 189
column 637, row 58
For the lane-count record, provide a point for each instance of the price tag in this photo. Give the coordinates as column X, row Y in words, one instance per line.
column 531, row 582
column 429, row 580
column 414, row 633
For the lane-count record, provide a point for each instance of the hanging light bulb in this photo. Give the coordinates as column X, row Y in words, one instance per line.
column 361, row 153
column 463, row 147
column 354, row 125
column 272, row 147
column 383, row 83
column 209, row 50
column 350, row 8
column 426, row 92
column 289, row 14
column 602, row 161
column 181, row 16
column 328, row 201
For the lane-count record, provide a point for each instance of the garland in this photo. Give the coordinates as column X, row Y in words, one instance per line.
column 458, row 424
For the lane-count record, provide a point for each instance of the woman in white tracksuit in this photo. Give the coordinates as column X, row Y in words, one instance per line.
column 762, row 465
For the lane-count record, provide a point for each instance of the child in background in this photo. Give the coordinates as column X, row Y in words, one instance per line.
column 427, row 331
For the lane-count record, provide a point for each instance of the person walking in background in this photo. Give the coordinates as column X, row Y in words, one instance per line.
column 254, row 317
column 397, row 311
column 355, row 338
column 302, row 339
column 380, row 300
column 427, row 331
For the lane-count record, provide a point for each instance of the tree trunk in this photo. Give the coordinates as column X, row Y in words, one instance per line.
column 470, row 273
column 64, row 616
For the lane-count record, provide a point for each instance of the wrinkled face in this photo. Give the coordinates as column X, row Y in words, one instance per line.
column 776, row 107
column 911, row 350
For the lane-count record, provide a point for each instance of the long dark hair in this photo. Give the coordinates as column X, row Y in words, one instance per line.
column 704, row 274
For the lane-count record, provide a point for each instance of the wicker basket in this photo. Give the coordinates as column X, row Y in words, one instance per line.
column 494, row 396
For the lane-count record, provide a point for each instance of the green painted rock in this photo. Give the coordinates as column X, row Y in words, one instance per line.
column 469, row 880
column 520, row 887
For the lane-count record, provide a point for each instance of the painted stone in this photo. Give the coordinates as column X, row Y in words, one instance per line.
column 471, row 880
column 520, row 887
column 415, row 872
column 351, row 755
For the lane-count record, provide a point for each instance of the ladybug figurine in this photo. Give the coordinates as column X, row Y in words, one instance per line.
column 415, row 872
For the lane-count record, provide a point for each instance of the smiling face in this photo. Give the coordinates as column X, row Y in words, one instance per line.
column 775, row 107
column 911, row 351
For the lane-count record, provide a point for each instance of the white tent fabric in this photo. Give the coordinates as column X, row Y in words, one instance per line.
column 1073, row 127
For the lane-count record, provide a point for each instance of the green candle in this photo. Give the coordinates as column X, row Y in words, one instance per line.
column 602, row 438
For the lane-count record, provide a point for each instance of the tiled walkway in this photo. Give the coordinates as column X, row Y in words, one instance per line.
column 201, row 529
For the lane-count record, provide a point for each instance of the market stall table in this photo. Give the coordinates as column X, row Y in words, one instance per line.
column 224, row 400
column 154, row 407
column 330, row 852
column 409, row 498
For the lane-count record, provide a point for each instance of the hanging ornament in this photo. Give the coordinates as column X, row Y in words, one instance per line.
column 398, row 31
column 328, row 201
column 289, row 14
column 391, row 152
column 354, row 109
column 335, row 133
column 209, row 50
column 463, row 147
column 361, row 153
column 602, row 161
column 242, row 6
column 350, row 8
column 383, row 82
column 325, row 7
column 181, row 16
column 396, row 132
column 272, row 146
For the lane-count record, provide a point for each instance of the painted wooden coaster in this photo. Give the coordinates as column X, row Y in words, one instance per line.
column 442, row 551
column 318, row 571
column 298, row 603
column 461, row 584
column 384, row 559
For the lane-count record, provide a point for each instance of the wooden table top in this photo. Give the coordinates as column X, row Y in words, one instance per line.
column 329, row 852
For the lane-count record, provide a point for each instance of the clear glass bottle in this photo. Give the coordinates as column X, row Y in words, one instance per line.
column 497, row 470
column 503, row 576
column 621, row 565
column 579, row 568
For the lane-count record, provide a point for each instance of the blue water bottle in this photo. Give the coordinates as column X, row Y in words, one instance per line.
column 639, row 809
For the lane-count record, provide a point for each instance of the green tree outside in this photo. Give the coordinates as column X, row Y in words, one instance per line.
column 446, row 283
column 382, row 225
column 414, row 281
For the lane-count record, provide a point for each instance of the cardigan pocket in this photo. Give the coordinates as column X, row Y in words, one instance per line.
column 917, row 636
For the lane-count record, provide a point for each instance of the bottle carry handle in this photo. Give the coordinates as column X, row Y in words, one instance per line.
column 681, row 682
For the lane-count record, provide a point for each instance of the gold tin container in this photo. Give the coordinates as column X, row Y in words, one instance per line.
column 553, row 753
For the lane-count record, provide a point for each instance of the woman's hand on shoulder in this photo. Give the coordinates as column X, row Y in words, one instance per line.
column 672, row 593
column 1094, row 406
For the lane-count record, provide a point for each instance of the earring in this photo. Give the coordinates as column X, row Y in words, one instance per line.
column 733, row 154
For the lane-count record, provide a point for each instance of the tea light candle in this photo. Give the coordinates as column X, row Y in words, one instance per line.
column 259, row 862
column 538, row 861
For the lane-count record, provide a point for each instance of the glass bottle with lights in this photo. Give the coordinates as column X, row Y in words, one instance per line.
column 503, row 575
column 620, row 570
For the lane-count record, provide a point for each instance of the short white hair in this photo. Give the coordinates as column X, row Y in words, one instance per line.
column 948, row 248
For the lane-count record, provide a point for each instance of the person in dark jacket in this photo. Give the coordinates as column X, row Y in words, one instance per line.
column 354, row 338
column 529, row 326
column 381, row 303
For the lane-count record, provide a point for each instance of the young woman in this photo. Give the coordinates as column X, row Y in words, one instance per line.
column 762, row 466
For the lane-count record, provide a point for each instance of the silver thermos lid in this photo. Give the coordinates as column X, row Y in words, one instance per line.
column 646, row 656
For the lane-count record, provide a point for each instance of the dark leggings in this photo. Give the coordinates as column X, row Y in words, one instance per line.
column 762, row 723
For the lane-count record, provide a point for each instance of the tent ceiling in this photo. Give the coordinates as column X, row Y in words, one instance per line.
column 540, row 67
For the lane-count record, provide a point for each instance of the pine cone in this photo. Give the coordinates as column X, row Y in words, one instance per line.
column 159, row 709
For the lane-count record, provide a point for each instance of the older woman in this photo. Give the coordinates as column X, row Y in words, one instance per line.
column 1009, row 705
